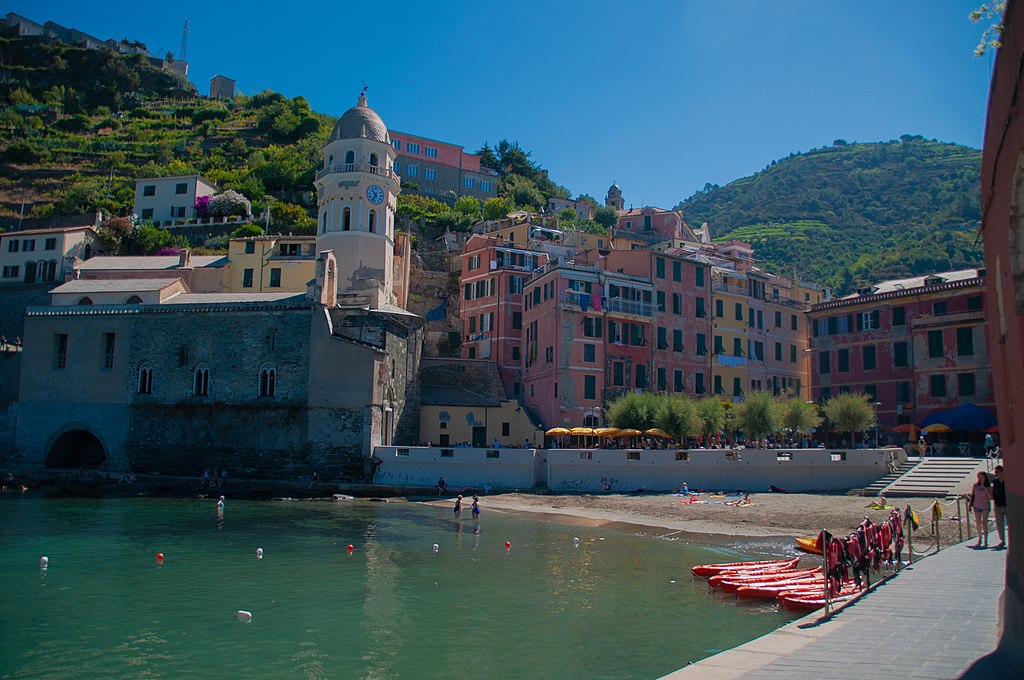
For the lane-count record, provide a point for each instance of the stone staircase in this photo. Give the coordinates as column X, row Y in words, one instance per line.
column 935, row 478
column 881, row 484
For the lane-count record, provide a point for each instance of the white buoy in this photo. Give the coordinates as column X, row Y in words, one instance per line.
column 259, row 553
column 44, row 561
column 576, row 540
column 243, row 615
column 436, row 547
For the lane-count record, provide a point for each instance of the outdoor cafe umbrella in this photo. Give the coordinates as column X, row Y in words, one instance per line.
column 992, row 430
column 582, row 431
column 936, row 427
column 628, row 432
column 656, row 432
column 967, row 417
column 606, row 431
column 557, row 431
column 907, row 428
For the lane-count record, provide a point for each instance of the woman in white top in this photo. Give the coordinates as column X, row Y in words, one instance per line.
column 981, row 501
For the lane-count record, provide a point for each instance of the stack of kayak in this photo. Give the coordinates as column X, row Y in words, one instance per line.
column 795, row 589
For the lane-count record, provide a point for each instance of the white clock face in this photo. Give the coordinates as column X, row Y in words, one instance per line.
column 374, row 194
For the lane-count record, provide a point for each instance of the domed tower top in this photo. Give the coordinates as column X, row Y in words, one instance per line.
column 613, row 199
column 360, row 122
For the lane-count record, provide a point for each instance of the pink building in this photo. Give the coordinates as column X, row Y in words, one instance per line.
column 441, row 169
column 653, row 225
column 680, row 359
column 491, row 310
column 916, row 346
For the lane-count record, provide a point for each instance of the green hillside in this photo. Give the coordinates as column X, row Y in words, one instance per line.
column 854, row 213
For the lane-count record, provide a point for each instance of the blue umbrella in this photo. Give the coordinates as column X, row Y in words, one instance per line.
column 967, row 417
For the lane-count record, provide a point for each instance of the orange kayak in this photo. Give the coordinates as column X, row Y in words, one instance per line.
column 809, row 602
column 808, row 544
column 712, row 569
column 731, row 585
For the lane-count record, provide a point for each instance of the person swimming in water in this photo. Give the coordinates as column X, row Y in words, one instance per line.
column 458, row 507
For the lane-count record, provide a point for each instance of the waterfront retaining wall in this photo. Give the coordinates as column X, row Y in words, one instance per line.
column 419, row 466
column 626, row 470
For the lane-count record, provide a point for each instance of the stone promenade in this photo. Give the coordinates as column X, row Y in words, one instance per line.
column 937, row 619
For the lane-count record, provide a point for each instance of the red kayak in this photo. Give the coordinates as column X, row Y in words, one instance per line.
column 770, row 575
column 712, row 569
column 771, row 591
column 796, row 602
column 732, row 585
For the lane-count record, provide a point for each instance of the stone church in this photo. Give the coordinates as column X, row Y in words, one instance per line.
column 144, row 375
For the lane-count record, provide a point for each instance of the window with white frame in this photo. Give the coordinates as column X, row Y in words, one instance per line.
column 412, row 170
column 430, row 151
column 429, row 173
column 201, row 381
column 485, row 186
column 146, row 378
column 468, row 182
column 412, row 148
column 268, row 380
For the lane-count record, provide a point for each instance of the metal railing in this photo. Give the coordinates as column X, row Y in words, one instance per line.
column 633, row 307
column 356, row 167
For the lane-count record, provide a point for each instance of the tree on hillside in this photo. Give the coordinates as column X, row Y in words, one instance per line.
column 606, row 216
column 507, row 158
column 849, row 412
column 523, row 193
column 469, row 206
column 498, row 208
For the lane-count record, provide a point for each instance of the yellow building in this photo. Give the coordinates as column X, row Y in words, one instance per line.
column 450, row 416
column 730, row 304
column 270, row 263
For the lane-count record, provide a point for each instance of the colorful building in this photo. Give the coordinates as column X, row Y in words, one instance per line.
column 43, row 255
column 267, row 263
column 442, row 169
column 915, row 346
column 494, row 272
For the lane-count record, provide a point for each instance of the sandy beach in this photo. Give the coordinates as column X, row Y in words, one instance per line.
column 768, row 515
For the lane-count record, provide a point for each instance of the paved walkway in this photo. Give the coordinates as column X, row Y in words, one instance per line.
column 937, row 619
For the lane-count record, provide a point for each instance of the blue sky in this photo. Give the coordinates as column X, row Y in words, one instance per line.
column 660, row 97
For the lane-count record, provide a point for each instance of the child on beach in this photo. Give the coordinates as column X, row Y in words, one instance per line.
column 458, row 507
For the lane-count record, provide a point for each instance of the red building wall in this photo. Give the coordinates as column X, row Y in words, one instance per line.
column 1003, row 232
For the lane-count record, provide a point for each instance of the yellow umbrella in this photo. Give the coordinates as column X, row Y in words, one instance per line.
column 629, row 432
column 606, row 431
column 582, row 431
column 936, row 427
column 556, row 431
column 656, row 432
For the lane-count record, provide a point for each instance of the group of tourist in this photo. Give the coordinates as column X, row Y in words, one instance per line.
column 984, row 494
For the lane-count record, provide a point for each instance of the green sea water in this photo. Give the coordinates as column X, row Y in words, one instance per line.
column 617, row 605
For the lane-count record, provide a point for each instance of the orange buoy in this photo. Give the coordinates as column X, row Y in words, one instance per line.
column 159, row 557
column 508, row 545
column 351, row 547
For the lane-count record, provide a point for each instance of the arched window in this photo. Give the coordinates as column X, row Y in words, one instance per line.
column 201, row 381
column 146, row 378
column 350, row 157
column 346, row 219
column 85, row 301
column 373, row 220
column 590, row 421
column 373, row 159
column 133, row 300
column 30, row 272
column 268, row 380
column 51, row 270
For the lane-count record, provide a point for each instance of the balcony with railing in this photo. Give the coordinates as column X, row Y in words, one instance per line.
column 619, row 305
column 356, row 167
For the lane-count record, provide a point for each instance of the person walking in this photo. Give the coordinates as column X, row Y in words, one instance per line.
column 981, row 499
column 458, row 507
column 476, row 509
column 999, row 506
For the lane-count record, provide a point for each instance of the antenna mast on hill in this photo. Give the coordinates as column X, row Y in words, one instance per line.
column 184, row 43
